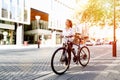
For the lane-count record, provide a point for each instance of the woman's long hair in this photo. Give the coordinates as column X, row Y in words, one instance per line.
column 70, row 22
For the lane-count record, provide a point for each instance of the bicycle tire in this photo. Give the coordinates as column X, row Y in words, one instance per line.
column 84, row 56
column 56, row 65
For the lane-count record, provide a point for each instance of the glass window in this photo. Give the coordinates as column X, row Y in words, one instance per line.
column 58, row 39
column 12, row 9
column 20, row 10
column 26, row 7
column 5, row 6
column 0, row 8
column 15, row 11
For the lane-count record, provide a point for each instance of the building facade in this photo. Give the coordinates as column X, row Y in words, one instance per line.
column 13, row 13
column 37, row 28
column 60, row 11
column 18, row 22
column 51, row 22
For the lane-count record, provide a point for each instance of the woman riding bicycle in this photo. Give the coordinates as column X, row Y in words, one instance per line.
column 61, row 58
column 67, row 35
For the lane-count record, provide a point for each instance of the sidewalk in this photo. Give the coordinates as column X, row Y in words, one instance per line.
column 32, row 46
column 36, row 64
column 102, row 66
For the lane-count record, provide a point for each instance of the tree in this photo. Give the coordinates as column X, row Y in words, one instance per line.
column 95, row 11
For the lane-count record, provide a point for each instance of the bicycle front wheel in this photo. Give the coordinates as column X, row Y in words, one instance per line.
column 84, row 56
column 60, row 61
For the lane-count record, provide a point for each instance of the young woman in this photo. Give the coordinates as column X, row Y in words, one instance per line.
column 68, row 32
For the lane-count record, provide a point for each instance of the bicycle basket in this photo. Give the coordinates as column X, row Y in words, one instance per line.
column 77, row 38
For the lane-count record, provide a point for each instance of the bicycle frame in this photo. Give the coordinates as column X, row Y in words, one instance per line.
column 69, row 47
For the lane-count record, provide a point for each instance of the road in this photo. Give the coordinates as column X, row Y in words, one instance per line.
column 34, row 64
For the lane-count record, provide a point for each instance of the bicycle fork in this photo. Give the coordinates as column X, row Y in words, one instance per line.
column 75, row 58
column 64, row 58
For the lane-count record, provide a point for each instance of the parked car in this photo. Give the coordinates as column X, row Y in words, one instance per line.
column 99, row 42
column 89, row 43
column 108, row 42
column 111, row 42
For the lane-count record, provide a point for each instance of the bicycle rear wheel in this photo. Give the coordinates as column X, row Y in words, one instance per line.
column 59, row 64
column 84, row 56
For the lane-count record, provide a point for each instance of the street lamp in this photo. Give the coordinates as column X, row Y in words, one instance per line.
column 114, row 33
column 38, row 19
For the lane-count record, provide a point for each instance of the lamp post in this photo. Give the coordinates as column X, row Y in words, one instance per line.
column 38, row 40
column 114, row 33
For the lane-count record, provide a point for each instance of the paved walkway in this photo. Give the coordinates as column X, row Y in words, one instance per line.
column 101, row 67
column 8, row 47
column 23, row 64
column 34, row 64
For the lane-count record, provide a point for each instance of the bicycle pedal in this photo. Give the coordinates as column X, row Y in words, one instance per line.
column 74, row 59
column 66, row 62
column 76, row 62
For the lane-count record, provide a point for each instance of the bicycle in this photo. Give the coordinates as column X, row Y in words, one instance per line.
column 61, row 58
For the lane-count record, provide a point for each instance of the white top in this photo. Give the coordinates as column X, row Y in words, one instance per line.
column 69, row 32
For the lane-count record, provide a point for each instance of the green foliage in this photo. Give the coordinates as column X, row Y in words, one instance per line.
column 95, row 11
